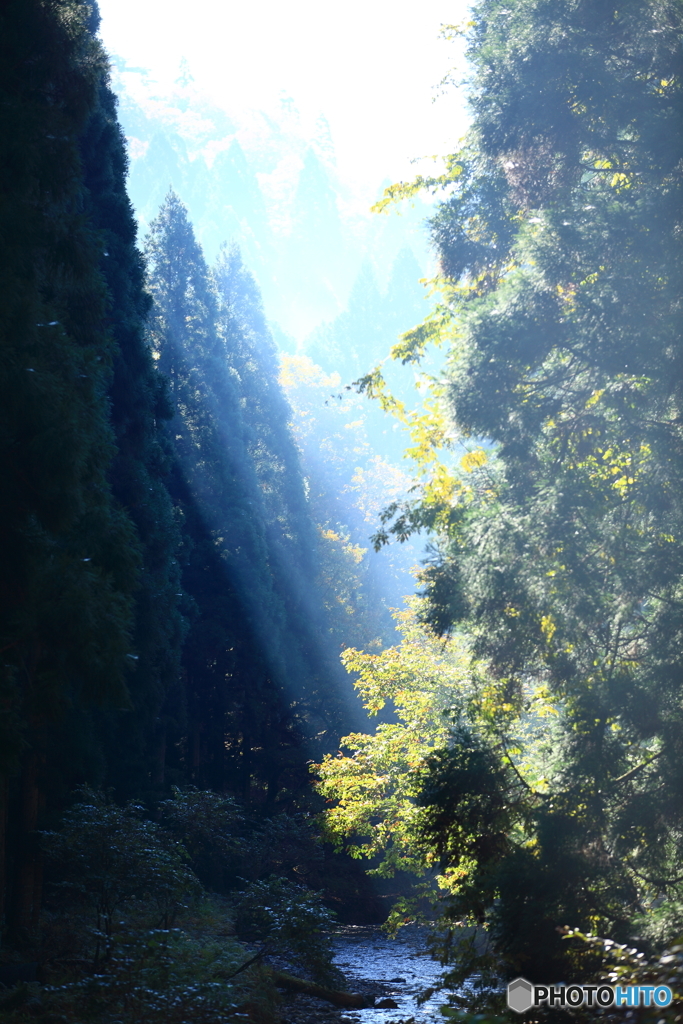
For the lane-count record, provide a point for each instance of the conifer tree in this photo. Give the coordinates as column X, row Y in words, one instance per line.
column 250, row 658
column 251, row 352
column 70, row 554
column 299, row 554
column 134, row 742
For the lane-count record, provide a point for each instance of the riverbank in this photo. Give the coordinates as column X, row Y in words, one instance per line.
column 392, row 972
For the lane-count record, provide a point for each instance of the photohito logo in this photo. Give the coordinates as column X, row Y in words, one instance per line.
column 523, row 996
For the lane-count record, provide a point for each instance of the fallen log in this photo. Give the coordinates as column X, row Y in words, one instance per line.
column 347, row 1000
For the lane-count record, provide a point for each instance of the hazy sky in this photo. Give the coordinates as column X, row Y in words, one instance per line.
column 370, row 66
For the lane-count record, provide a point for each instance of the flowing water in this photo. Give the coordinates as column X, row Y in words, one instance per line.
column 402, row 965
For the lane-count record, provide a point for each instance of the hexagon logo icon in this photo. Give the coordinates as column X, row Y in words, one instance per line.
column 520, row 995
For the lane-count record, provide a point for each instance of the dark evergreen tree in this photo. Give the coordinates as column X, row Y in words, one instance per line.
column 96, row 551
column 292, row 529
column 134, row 742
column 90, row 585
column 248, row 660
column 252, row 354
column 70, row 553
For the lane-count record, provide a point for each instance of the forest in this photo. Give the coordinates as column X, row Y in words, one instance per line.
column 226, row 734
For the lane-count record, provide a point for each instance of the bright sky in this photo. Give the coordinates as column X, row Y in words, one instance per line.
column 370, row 66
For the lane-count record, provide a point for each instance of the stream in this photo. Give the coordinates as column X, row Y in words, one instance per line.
column 402, row 967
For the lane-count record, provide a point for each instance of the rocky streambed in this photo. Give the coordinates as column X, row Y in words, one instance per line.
column 392, row 971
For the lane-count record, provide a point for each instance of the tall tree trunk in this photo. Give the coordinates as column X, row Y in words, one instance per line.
column 4, row 799
column 28, row 868
column 246, row 762
column 160, row 758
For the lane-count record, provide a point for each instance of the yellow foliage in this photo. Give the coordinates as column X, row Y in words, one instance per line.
column 621, row 181
column 473, row 460
column 548, row 627
column 355, row 551
column 595, row 397
column 301, row 370
column 407, row 189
